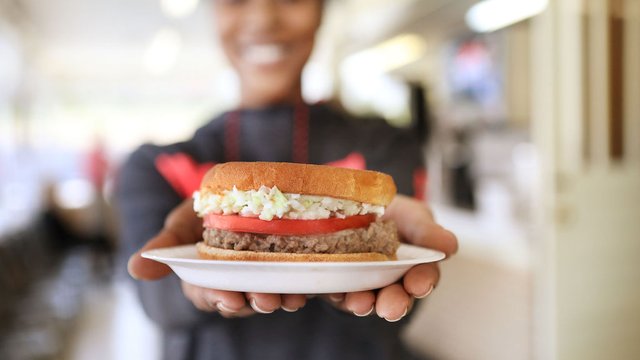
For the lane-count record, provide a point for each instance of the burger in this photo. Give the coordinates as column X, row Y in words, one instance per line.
column 268, row 211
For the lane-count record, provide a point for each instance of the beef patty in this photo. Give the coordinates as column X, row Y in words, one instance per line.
column 379, row 236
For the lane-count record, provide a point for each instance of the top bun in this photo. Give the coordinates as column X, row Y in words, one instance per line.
column 364, row 186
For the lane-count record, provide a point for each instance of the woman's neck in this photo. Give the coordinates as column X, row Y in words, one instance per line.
column 256, row 99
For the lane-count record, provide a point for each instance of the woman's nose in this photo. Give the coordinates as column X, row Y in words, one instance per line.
column 262, row 15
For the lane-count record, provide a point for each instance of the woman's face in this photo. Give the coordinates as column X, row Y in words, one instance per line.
column 268, row 42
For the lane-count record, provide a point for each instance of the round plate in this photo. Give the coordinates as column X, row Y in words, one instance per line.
column 290, row 277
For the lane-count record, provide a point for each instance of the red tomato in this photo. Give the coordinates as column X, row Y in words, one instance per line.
column 285, row 226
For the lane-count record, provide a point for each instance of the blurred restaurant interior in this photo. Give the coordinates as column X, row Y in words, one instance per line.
column 530, row 111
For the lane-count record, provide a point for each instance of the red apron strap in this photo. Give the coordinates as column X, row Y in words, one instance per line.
column 300, row 145
column 300, row 141
column 232, row 137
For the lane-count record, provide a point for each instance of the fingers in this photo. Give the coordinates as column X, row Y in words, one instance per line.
column 420, row 280
column 232, row 304
column 181, row 227
column 291, row 303
column 360, row 303
column 416, row 224
column 264, row 303
column 393, row 303
column 337, row 297
column 357, row 303
column 145, row 269
column 227, row 303
column 436, row 237
column 184, row 222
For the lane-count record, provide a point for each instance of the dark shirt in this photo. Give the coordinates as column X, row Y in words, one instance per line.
column 317, row 331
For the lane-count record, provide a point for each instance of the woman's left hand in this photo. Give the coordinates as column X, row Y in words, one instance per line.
column 416, row 226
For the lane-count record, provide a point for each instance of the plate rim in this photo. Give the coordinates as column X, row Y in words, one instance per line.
column 149, row 254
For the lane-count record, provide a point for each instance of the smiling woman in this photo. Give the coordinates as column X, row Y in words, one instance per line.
column 268, row 43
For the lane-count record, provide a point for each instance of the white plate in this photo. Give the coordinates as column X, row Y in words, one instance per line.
column 290, row 277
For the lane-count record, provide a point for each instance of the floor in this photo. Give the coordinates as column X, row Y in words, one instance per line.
column 112, row 325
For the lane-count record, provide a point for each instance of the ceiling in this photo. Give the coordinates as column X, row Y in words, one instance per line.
column 80, row 58
column 103, row 41
column 131, row 23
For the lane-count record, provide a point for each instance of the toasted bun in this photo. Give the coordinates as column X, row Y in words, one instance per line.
column 365, row 186
column 214, row 253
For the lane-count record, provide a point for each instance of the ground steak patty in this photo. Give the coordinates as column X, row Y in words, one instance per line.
column 380, row 236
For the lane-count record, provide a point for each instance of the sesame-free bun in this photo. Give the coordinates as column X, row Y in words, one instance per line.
column 364, row 186
column 213, row 253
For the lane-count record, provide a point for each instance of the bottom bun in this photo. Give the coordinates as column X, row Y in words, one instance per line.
column 214, row 253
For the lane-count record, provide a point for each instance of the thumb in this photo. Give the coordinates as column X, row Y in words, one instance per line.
column 182, row 226
column 416, row 224
column 146, row 269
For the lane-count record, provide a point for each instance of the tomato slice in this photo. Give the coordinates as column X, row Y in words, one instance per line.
column 285, row 226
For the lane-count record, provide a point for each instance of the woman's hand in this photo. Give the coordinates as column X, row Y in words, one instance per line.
column 182, row 226
column 416, row 226
column 236, row 304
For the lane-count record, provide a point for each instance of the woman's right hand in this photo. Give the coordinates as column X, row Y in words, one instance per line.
column 236, row 304
column 182, row 226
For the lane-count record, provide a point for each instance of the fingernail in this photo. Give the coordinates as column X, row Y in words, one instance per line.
column 257, row 308
column 365, row 314
column 129, row 268
column 289, row 309
column 426, row 293
column 336, row 297
column 222, row 307
column 406, row 310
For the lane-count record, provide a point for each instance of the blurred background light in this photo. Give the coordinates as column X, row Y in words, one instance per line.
column 317, row 82
column 491, row 15
column 12, row 196
column 74, row 194
column 11, row 63
column 178, row 8
column 389, row 55
column 368, row 83
column 163, row 51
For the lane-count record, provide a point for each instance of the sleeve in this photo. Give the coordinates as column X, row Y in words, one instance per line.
column 397, row 152
column 404, row 159
column 143, row 200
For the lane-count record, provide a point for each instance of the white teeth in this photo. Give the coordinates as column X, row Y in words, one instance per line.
column 263, row 54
